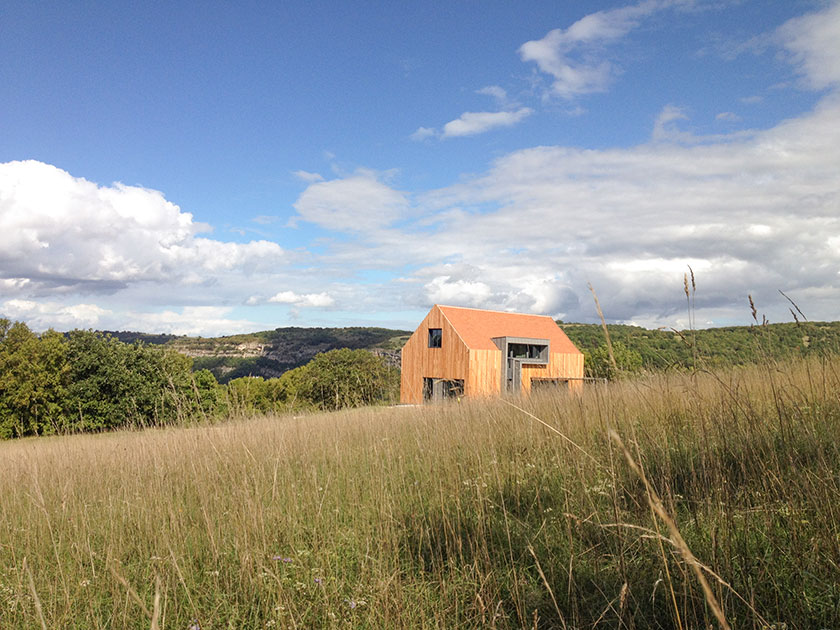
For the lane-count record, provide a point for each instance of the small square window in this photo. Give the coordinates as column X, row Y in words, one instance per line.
column 435, row 337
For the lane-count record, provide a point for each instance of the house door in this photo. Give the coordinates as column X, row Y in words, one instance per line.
column 439, row 389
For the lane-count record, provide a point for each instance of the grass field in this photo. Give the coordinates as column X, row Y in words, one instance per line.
column 468, row 515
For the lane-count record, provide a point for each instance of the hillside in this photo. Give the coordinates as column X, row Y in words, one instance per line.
column 270, row 353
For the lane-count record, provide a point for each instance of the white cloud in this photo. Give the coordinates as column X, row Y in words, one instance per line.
column 358, row 203
column 61, row 232
column 13, row 285
column 496, row 92
column 42, row 315
column 314, row 300
column 209, row 321
column 424, row 133
column 814, row 42
column 472, row 123
column 665, row 126
column 447, row 290
column 306, row 176
column 574, row 56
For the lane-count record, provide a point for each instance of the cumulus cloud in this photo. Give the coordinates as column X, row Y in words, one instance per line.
column 188, row 320
column 359, row 202
column 209, row 321
column 315, row 300
column 472, row 123
column 574, row 56
column 74, row 253
column 43, row 315
column 812, row 41
column 61, row 232
column 449, row 290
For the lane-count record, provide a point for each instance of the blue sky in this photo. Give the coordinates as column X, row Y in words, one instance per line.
column 218, row 168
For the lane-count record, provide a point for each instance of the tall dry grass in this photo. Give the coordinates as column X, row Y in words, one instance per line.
column 463, row 515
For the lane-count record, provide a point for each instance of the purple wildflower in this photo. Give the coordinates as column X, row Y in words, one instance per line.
column 318, row 580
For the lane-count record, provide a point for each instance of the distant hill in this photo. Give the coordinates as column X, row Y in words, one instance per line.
column 271, row 353
column 732, row 345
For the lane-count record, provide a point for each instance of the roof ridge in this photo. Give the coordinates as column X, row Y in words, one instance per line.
column 489, row 310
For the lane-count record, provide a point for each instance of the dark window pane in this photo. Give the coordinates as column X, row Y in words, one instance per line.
column 435, row 337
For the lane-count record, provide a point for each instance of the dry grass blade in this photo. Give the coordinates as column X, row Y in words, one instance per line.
column 604, row 326
column 794, row 306
column 547, row 586
column 156, row 606
column 675, row 538
column 551, row 428
column 131, row 592
column 34, row 593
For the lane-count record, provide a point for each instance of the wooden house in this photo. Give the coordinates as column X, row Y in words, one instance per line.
column 470, row 352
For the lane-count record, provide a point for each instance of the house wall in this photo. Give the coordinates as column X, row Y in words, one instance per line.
column 485, row 371
column 559, row 366
column 451, row 360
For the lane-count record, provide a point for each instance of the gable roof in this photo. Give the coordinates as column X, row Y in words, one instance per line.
column 477, row 328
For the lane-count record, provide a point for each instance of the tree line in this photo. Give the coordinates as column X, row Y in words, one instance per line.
column 639, row 349
column 84, row 381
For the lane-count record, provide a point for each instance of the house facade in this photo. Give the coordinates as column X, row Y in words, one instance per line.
column 471, row 352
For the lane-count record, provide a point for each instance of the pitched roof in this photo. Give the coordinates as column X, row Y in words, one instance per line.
column 477, row 328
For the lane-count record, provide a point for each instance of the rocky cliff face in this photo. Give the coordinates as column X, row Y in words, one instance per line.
column 240, row 350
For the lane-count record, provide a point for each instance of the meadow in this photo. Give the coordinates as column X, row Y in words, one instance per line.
column 679, row 500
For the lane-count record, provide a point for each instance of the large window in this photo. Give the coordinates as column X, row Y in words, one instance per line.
column 435, row 337
column 525, row 351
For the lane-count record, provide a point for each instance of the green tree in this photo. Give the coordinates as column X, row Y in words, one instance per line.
column 208, row 394
column 599, row 365
column 346, row 378
column 113, row 384
column 33, row 373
